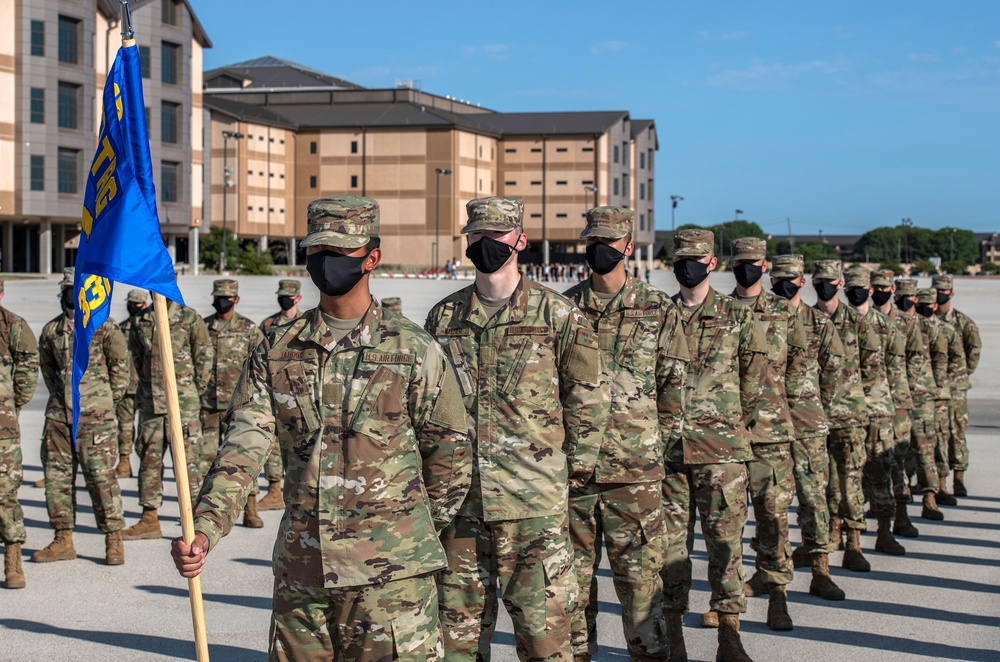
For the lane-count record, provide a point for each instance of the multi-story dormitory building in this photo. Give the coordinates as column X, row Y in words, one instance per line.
column 295, row 135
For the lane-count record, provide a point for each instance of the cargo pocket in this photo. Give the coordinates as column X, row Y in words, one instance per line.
column 416, row 635
column 561, row 590
column 648, row 546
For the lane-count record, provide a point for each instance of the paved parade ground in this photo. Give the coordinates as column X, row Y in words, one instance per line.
column 939, row 602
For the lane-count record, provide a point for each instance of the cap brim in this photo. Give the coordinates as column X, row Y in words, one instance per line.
column 784, row 274
column 747, row 256
column 691, row 252
column 331, row 238
column 488, row 226
column 603, row 232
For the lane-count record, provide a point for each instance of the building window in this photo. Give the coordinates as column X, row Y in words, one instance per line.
column 616, row 155
column 561, row 149
column 149, row 119
column 169, row 180
column 69, row 105
column 642, row 191
column 616, row 186
column 312, row 147
column 68, row 169
column 536, row 216
column 510, row 150
column 480, row 151
column 69, row 40
column 170, row 121
column 37, row 173
column 649, row 187
column 536, row 183
column 37, row 105
column 169, row 13
column 536, row 150
column 642, row 159
column 560, row 215
column 312, row 181
column 169, row 65
column 588, row 182
column 38, row 38
column 650, row 159
column 588, row 149
column 354, row 147
column 561, row 182
column 510, row 183
column 354, row 181
column 642, row 222
column 144, row 61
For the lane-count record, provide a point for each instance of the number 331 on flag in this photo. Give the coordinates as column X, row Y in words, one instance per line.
column 93, row 294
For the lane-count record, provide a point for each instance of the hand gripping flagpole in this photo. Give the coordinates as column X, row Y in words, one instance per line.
column 174, row 424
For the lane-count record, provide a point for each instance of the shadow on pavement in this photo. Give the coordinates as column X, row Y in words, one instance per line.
column 951, row 540
column 249, row 601
column 925, row 581
column 905, row 610
column 949, row 558
column 146, row 643
column 263, row 563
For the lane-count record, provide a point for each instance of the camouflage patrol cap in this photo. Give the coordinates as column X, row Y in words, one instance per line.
column 494, row 213
column 748, row 248
column 927, row 295
column 882, row 277
column 609, row 222
column 395, row 304
column 857, row 276
column 943, row 282
column 345, row 221
column 136, row 296
column 694, row 243
column 67, row 279
column 289, row 288
column 225, row 287
column 906, row 287
column 788, row 266
column 828, row 269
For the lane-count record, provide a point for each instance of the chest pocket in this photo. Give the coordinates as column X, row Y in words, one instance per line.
column 637, row 340
column 713, row 333
column 294, row 395
column 452, row 345
column 63, row 345
column 521, row 350
column 381, row 406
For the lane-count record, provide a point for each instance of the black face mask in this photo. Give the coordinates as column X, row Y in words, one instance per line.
column 488, row 254
column 134, row 309
column 333, row 273
column 904, row 304
column 943, row 298
column 690, row 273
column 825, row 291
column 221, row 305
column 925, row 309
column 286, row 302
column 881, row 298
column 784, row 288
column 67, row 299
column 747, row 273
column 603, row 258
column 857, row 295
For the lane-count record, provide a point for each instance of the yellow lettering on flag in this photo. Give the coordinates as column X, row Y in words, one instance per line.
column 118, row 101
column 92, row 295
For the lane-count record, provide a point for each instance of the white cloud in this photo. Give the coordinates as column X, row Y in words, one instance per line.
column 761, row 75
column 923, row 57
column 609, row 46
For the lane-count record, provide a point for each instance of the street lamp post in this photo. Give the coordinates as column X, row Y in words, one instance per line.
column 907, row 223
column 674, row 199
column 437, row 215
column 592, row 189
column 227, row 184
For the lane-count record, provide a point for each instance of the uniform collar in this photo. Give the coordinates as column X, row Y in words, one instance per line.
column 515, row 311
column 368, row 333
column 625, row 298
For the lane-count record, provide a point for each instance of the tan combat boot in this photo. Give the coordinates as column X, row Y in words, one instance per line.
column 801, row 558
column 250, row 517
column 148, row 528
column 931, row 511
column 710, row 619
column 943, row 498
column 60, row 549
column 777, row 609
column 958, row 484
column 854, row 560
column 40, row 483
column 822, row 583
column 884, row 542
column 730, row 646
column 13, row 573
column 273, row 499
column 114, row 550
column 675, row 635
column 902, row 526
column 124, row 468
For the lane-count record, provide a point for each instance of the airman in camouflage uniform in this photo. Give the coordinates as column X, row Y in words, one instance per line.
column 706, row 464
column 528, row 363
column 395, row 304
column 645, row 357
column 234, row 338
column 289, row 296
column 192, row 350
column 366, row 408
column 810, row 397
column 958, row 449
column 903, row 375
column 125, row 413
column 925, row 391
column 847, row 415
column 96, row 447
column 18, row 378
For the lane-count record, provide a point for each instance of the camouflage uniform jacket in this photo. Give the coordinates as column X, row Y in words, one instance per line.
column 725, row 378
column 192, row 359
column 972, row 344
column 880, row 361
column 958, row 375
column 276, row 320
column 232, row 342
column 812, row 394
column 18, row 371
column 787, row 349
column 531, row 382
column 849, row 407
column 133, row 381
column 378, row 459
column 102, row 386
column 644, row 362
column 911, row 348
column 932, row 382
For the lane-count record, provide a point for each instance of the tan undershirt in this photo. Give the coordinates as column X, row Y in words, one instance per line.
column 339, row 327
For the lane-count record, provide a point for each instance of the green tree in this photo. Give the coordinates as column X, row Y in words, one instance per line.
column 810, row 251
column 990, row 268
column 893, row 266
column 211, row 248
column 923, row 266
column 954, row 267
column 251, row 263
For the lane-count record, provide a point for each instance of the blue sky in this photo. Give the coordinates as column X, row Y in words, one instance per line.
column 842, row 118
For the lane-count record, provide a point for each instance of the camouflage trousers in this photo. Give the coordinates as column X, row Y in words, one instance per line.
column 532, row 561
column 397, row 620
column 812, row 474
column 878, row 466
column 719, row 492
column 274, row 466
column 125, row 413
column 942, row 416
column 152, row 444
column 923, row 443
column 630, row 519
column 844, row 496
column 96, row 453
column 772, row 487
column 902, row 446
column 11, row 475
column 958, row 449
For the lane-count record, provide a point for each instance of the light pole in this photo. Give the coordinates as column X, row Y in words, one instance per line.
column 907, row 223
column 437, row 214
column 674, row 199
column 592, row 189
column 228, row 183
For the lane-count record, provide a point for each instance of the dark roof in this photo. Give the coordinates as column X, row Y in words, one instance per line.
column 555, row 123
column 247, row 112
column 638, row 126
column 272, row 73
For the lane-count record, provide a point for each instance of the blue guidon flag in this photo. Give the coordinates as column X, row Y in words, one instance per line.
column 120, row 240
